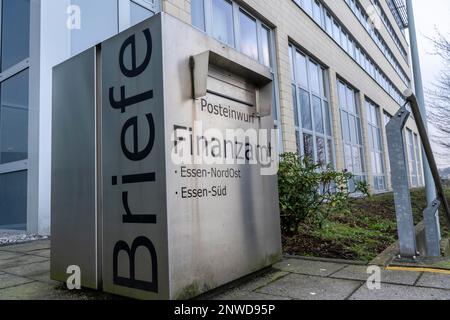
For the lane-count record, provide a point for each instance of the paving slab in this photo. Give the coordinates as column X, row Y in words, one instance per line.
column 387, row 276
column 44, row 291
column 41, row 253
column 44, row 277
column 262, row 280
column 435, row 280
column 400, row 292
column 306, row 287
column 307, row 267
column 245, row 295
column 30, row 269
column 22, row 260
column 9, row 280
column 29, row 246
column 5, row 255
column 33, row 291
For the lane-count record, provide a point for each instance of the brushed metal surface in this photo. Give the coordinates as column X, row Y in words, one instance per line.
column 215, row 240
column 144, row 273
column 73, row 224
column 400, row 184
column 158, row 243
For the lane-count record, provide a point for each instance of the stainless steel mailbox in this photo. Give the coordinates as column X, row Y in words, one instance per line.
column 180, row 201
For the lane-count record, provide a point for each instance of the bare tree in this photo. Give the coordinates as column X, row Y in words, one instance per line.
column 439, row 97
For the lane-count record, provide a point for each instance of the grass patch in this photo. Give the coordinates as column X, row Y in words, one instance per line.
column 363, row 234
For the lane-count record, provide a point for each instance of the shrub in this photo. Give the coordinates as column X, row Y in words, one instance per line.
column 308, row 191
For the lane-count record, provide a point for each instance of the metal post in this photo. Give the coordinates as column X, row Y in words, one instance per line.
column 429, row 184
column 432, row 236
column 399, row 175
column 432, row 226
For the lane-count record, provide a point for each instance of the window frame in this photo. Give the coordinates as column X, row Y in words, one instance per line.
column 374, row 128
column 337, row 27
column 260, row 27
column 355, row 6
column 362, row 175
column 236, row 10
column 418, row 147
column 415, row 163
column 412, row 159
column 258, row 35
column 155, row 7
column 324, row 96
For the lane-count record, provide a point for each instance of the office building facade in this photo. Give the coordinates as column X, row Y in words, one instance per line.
column 339, row 69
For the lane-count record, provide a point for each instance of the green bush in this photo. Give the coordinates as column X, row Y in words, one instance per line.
column 310, row 192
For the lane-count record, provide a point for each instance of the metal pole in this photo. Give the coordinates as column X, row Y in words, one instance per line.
column 432, row 228
column 429, row 183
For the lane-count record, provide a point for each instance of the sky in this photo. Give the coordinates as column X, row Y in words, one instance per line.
column 431, row 15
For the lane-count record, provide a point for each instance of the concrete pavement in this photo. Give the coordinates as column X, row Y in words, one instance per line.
column 24, row 274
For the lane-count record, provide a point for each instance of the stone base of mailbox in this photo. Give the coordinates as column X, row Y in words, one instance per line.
column 132, row 204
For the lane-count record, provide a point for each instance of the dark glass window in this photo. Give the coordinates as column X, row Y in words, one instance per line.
column 14, row 118
column 13, row 200
column 15, row 32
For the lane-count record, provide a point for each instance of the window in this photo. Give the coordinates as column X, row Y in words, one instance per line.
column 226, row 21
column 351, row 131
column 223, row 21
column 15, row 39
column 311, row 109
column 419, row 160
column 317, row 12
column 386, row 118
column 328, row 24
column 351, row 48
column 115, row 16
column 105, row 24
column 13, row 200
column 314, row 75
column 336, row 32
column 308, row 5
column 348, row 43
column 376, row 147
column 14, row 118
column 413, row 168
column 139, row 11
column 15, row 21
column 390, row 28
column 265, row 46
column 344, row 41
column 249, row 35
column 198, row 14
column 364, row 19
